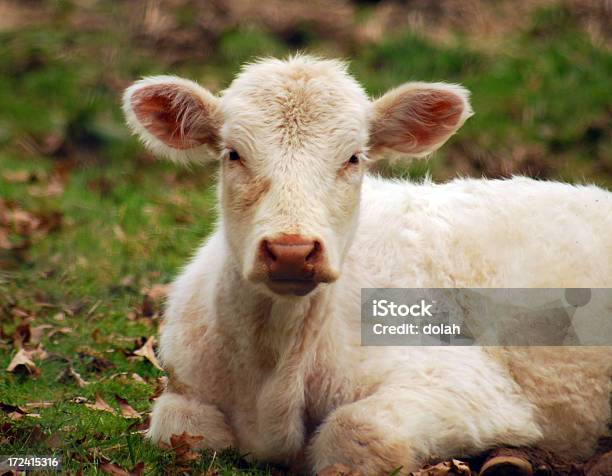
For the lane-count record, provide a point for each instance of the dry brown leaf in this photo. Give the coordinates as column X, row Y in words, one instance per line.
column 10, row 409
column 147, row 351
column 15, row 412
column 37, row 405
column 126, row 410
column 17, row 176
column 185, row 440
column 22, row 363
column 69, row 375
column 59, row 330
column 183, row 445
column 116, row 470
column 38, row 332
column 38, row 353
column 15, row 416
column 24, row 222
column 22, row 334
column 453, row 467
column 22, row 313
column 101, row 405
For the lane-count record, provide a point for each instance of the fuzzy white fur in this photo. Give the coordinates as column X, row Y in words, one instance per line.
column 285, row 379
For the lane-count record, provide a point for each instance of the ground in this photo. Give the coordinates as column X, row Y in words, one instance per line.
column 92, row 227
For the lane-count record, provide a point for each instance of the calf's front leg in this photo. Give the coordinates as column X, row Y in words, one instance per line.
column 402, row 427
column 174, row 414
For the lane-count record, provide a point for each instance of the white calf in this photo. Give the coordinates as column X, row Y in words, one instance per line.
column 261, row 339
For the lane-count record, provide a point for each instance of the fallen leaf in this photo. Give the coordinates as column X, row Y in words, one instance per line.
column 22, row 334
column 59, row 330
column 147, row 351
column 18, row 312
column 69, row 375
column 185, row 440
column 446, row 468
column 37, row 405
column 8, row 409
column 38, row 353
column 15, row 416
column 37, row 333
column 116, row 470
column 126, row 410
column 15, row 412
column 100, row 405
column 22, row 363
column 182, row 446
column 17, row 176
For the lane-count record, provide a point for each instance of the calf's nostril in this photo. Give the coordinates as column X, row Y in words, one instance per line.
column 267, row 251
column 314, row 253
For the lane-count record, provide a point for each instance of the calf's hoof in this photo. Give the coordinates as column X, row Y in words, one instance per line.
column 506, row 465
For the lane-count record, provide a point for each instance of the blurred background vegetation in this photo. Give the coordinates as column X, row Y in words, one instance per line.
column 90, row 222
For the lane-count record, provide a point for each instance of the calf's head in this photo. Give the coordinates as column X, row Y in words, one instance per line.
column 293, row 138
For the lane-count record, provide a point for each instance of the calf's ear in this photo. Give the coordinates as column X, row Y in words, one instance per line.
column 417, row 118
column 174, row 117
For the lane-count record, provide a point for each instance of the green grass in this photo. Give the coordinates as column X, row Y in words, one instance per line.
column 128, row 219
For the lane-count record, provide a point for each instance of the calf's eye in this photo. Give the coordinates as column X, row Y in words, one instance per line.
column 353, row 160
column 233, row 155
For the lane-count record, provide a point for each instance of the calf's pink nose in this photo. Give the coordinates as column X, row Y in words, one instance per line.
column 291, row 257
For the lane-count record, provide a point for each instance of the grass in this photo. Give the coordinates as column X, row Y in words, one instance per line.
column 124, row 222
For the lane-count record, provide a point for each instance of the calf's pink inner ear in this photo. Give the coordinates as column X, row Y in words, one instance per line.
column 177, row 117
column 416, row 122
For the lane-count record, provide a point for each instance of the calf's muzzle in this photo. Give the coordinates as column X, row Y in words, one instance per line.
column 293, row 263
